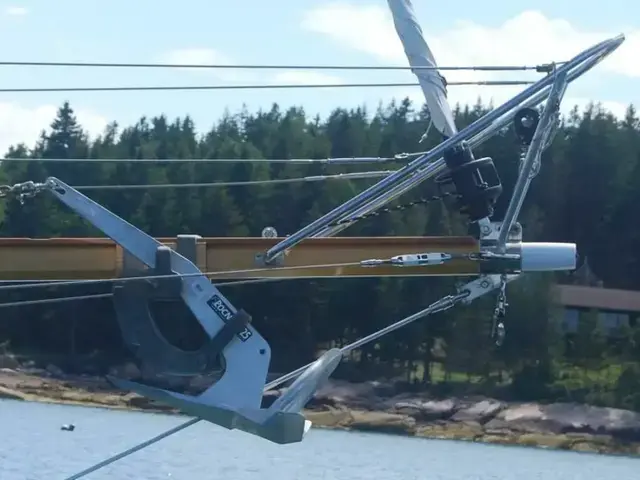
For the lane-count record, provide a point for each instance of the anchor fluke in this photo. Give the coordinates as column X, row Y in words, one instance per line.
column 281, row 423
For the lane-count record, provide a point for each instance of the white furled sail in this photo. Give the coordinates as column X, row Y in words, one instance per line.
column 419, row 55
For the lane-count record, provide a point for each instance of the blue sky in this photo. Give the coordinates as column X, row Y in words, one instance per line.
column 283, row 32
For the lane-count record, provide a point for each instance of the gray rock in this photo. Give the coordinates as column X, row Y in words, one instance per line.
column 495, row 417
column 598, row 420
column 354, row 395
column 127, row 371
column 9, row 361
column 526, row 417
column 54, row 371
column 560, row 418
column 480, row 412
column 429, row 410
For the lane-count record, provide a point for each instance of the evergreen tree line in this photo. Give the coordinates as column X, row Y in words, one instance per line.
column 586, row 192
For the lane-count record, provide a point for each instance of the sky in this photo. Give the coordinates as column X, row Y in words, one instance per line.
column 349, row 32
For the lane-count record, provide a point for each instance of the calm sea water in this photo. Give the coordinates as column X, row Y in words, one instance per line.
column 34, row 448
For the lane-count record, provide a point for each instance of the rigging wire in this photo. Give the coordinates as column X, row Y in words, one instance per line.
column 292, row 161
column 99, row 281
column 441, row 305
column 8, row 189
column 24, row 303
column 543, row 68
column 242, row 183
column 487, row 83
column 76, row 298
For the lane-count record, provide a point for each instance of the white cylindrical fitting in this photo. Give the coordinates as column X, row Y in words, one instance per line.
column 548, row 257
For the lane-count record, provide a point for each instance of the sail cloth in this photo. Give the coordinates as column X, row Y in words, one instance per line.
column 419, row 55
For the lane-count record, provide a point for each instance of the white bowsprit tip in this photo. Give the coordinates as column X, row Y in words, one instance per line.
column 548, row 256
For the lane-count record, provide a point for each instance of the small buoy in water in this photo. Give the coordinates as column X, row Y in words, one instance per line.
column 70, row 427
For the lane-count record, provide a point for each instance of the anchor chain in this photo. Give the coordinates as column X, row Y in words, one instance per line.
column 396, row 208
column 23, row 190
column 498, row 330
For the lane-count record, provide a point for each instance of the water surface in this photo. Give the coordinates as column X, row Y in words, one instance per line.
column 34, row 448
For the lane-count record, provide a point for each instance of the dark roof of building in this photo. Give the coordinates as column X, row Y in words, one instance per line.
column 600, row 298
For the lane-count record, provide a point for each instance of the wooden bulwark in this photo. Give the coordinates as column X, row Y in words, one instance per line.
column 88, row 258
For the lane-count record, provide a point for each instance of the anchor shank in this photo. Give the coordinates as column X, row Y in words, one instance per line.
column 246, row 357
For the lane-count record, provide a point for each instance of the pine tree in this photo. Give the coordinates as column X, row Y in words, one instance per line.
column 587, row 192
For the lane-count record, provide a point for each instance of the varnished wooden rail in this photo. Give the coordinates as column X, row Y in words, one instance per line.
column 85, row 258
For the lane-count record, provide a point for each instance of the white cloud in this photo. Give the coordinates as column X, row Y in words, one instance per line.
column 20, row 124
column 616, row 108
column 370, row 30
column 210, row 56
column 16, row 11
column 194, row 56
column 204, row 56
column 298, row 77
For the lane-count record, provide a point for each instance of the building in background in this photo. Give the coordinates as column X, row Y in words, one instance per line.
column 615, row 308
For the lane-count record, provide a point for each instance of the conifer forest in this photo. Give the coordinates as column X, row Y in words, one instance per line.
column 587, row 192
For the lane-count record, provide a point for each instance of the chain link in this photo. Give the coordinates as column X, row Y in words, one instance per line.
column 30, row 189
column 23, row 190
column 397, row 208
column 498, row 329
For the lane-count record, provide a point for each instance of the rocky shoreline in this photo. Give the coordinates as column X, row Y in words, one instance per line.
column 377, row 407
